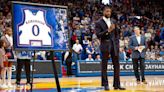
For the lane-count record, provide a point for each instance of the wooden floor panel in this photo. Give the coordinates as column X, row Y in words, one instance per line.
column 91, row 84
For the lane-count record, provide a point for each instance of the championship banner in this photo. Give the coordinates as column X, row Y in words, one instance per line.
column 39, row 27
column 93, row 68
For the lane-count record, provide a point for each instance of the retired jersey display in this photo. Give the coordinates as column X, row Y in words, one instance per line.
column 35, row 31
column 39, row 26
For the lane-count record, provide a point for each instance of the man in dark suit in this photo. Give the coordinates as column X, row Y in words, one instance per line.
column 108, row 34
column 138, row 45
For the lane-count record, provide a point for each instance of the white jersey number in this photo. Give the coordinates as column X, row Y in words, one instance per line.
column 35, row 30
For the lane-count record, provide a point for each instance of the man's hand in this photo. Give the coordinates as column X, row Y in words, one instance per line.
column 111, row 28
column 140, row 48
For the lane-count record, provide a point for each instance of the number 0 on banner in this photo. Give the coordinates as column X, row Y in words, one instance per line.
column 35, row 30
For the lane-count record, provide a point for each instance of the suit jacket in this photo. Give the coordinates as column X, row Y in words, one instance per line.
column 134, row 43
column 103, row 34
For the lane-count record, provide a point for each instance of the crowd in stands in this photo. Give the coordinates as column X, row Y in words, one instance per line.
column 82, row 15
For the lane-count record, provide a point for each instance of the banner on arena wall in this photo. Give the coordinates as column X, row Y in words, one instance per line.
column 39, row 26
column 84, row 67
column 41, row 67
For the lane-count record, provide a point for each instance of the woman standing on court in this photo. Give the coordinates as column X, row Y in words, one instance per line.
column 5, row 66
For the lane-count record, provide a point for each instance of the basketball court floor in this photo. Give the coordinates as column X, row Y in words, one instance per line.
column 91, row 84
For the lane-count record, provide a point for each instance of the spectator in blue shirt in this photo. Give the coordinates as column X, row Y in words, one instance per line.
column 90, row 49
column 162, row 33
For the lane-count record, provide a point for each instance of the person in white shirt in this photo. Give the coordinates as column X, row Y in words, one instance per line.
column 89, row 58
column 5, row 67
column 9, row 42
column 98, row 58
column 8, row 39
column 77, row 49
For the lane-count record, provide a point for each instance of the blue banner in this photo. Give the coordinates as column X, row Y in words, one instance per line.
column 93, row 68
